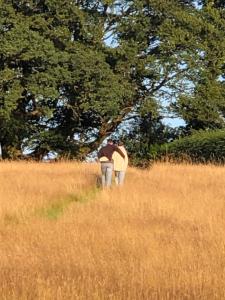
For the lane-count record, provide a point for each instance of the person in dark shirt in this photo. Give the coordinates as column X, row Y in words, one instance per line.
column 105, row 157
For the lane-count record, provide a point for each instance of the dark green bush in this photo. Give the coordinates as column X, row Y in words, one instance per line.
column 200, row 147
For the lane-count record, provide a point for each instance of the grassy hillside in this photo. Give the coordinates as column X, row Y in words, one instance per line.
column 161, row 236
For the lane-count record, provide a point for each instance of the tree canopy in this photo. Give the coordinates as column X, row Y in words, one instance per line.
column 72, row 71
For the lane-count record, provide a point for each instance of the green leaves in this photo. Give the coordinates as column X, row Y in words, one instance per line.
column 59, row 78
column 200, row 147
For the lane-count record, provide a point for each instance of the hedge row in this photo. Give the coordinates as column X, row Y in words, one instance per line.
column 200, row 147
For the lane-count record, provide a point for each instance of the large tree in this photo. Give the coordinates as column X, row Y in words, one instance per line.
column 58, row 89
column 204, row 107
column 185, row 44
column 63, row 87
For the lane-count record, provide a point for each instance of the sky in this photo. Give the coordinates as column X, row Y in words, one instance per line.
column 174, row 122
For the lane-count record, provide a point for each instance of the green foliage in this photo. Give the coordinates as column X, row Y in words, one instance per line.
column 64, row 89
column 56, row 78
column 143, row 142
column 200, row 147
column 204, row 107
column 182, row 59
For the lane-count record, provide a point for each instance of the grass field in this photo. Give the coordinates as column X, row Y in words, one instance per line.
column 161, row 236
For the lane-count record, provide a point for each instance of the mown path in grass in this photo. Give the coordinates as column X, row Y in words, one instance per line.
column 58, row 207
column 35, row 190
column 55, row 209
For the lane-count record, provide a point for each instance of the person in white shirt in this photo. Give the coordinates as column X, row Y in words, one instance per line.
column 120, row 164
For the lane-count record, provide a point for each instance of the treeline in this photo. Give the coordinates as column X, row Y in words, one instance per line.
column 75, row 72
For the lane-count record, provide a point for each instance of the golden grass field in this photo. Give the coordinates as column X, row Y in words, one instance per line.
column 161, row 236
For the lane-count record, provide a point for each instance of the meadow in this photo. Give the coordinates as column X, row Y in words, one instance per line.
column 160, row 236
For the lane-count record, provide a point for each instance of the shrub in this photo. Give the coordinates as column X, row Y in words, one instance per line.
column 200, row 147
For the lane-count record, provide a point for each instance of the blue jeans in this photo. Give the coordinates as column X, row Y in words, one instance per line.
column 107, row 169
column 119, row 177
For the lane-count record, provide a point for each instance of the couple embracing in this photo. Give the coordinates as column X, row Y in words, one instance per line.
column 113, row 157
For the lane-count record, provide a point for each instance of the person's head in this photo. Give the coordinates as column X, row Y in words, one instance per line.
column 115, row 142
column 110, row 141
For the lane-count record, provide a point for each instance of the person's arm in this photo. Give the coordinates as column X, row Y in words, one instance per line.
column 100, row 154
column 119, row 151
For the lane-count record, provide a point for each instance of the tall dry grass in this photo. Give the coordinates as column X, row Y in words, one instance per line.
column 161, row 236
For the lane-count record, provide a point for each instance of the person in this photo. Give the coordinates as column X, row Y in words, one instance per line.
column 105, row 157
column 120, row 164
